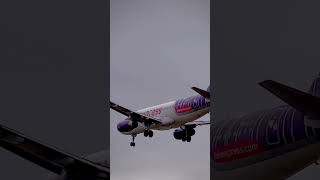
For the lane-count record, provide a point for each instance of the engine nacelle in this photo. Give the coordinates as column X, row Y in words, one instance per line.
column 191, row 131
column 179, row 133
column 134, row 124
column 127, row 125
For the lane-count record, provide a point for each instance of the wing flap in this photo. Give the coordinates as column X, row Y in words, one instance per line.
column 196, row 123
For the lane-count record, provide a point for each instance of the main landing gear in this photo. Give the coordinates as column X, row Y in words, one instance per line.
column 147, row 133
column 133, row 143
column 186, row 138
column 184, row 134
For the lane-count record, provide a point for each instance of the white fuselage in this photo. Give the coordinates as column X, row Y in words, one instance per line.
column 168, row 115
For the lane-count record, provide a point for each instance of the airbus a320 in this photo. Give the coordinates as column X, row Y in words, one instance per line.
column 180, row 114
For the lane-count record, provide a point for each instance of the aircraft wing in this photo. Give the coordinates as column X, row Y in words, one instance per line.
column 300, row 100
column 196, row 123
column 133, row 115
column 49, row 157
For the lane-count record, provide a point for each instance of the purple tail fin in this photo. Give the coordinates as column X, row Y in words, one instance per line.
column 202, row 92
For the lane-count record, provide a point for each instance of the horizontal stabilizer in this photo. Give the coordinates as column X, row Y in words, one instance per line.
column 303, row 102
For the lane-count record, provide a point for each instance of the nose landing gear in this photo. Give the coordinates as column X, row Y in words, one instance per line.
column 133, row 143
column 146, row 133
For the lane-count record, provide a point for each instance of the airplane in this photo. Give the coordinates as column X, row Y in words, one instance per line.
column 269, row 144
column 63, row 165
column 180, row 114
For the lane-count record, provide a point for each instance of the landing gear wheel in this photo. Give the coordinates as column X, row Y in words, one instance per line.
column 188, row 138
column 132, row 143
column 150, row 133
column 183, row 139
column 146, row 133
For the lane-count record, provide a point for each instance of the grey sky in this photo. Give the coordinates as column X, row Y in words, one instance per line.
column 159, row 49
column 259, row 40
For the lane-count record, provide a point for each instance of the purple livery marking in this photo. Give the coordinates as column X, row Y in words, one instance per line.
column 273, row 128
column 191, row 103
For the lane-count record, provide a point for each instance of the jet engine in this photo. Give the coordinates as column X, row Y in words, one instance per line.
column 179, row 133
column 127, row 125
column 184, row 134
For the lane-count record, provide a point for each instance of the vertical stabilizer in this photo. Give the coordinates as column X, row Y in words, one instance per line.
column 315, row 87
column 202, row 92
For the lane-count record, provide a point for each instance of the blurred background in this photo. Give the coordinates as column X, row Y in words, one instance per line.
column 54, row 77
column 259, row 40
